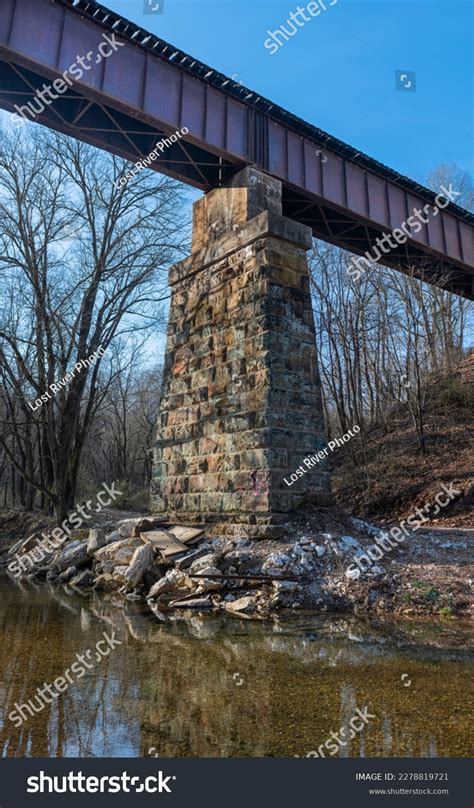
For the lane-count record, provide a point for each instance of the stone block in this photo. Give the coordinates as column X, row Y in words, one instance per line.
column 241, row 394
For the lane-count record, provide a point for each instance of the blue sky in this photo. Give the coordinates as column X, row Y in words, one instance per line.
column 338, row 71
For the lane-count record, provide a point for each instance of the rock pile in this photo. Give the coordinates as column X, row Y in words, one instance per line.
column 173, row 567
column 143, row 559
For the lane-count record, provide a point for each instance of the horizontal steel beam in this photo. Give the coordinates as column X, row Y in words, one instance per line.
column 148, row 88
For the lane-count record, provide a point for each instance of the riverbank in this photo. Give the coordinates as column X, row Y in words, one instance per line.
column 325, row 561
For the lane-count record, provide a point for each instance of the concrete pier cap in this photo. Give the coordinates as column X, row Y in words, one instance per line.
column 240, row 407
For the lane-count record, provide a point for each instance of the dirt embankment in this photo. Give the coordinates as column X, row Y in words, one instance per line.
column 16, row 523
column 392, row 477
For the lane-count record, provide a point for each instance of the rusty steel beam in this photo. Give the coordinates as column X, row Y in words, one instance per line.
column 149, row 88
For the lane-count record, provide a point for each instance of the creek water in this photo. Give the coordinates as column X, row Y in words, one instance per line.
column 204, row 685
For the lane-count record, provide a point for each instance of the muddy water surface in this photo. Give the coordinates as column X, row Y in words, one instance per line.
column 217, row 686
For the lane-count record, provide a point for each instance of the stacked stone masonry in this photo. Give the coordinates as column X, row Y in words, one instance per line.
column 241, row 403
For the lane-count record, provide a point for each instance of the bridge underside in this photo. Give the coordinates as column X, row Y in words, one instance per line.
column 106, row 127
column 351, row 234
column 149, row 89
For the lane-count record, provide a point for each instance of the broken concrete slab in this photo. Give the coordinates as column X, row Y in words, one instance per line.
column 208, row 560
column 73, row 555
column 23, row 545
column 164, row 541
column 187, row 560
column 140, row 563
column 244, row 604
column 210, row 571
column 187, row 535
column 209, row 585
column 127, row 527
column 120, row 552
column 172, row 581
column 96, row 540
column 192, row 603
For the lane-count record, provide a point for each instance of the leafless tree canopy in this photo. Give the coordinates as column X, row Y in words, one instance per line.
column 379, row 340
column 83, row 266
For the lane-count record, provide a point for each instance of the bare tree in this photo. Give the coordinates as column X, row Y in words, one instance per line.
column 119, row 445
column 382, row 335
column 83, row 268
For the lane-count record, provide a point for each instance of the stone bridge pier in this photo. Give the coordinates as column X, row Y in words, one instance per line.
column 241, row 403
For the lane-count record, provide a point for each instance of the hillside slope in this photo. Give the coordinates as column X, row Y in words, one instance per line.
column 393, row 477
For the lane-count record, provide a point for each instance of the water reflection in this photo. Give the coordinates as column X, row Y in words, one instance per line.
column 218, row 686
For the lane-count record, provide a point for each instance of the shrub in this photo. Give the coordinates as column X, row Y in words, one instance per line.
column 446, row 611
